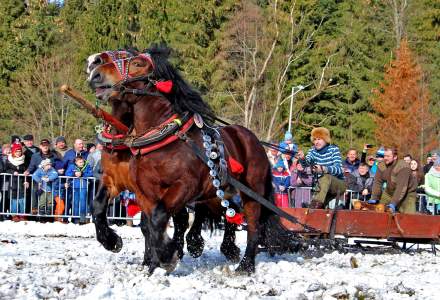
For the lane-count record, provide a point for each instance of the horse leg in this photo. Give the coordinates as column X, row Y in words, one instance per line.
column 180, row 226
column 105, row 235
column 252, row 212
column 228, row 247
column 164, row 249
column 194, row 239
column 149, row 258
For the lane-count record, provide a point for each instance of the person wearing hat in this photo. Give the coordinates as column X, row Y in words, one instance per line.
column 400, row 191
column 15, row 139
column 46, row 178
column 281, row 182
column 432, row 185
column 29, row 148
column 18, row 184
column 289, row 143
column 45, row 153
column 325, row 158
column 61, row 145
column 430, row 163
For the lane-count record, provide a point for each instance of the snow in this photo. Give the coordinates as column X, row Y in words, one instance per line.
column 64, row 261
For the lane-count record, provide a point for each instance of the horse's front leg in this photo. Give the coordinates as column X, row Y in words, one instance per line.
column 180, row 226
column 105, row 235
column 228, row 247
column 194, row 239
column 252, row 212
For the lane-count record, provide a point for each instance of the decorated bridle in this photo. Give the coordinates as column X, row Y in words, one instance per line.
column 122, row 65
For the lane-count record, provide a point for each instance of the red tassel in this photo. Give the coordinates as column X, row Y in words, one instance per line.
column 132, row 210
column 237, row 219
column 235, row 166
column 164, row 86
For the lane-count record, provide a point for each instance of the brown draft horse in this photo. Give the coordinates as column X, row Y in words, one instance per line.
column 210, row 211
column 168, row 178
column 115, row 179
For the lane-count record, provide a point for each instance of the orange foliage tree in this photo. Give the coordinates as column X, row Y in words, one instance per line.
column 401, row 105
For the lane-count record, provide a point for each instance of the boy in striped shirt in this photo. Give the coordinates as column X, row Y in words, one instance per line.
column 326, row 161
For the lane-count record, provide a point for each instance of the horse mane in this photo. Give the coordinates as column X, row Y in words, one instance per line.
column 183, row 96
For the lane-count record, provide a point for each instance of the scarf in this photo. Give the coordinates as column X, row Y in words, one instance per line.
column 16, row 161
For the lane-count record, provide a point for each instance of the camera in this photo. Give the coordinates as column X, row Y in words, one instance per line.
column 369, row 146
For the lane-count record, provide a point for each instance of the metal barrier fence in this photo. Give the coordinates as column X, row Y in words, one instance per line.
column 71, row 198
column 65, row 198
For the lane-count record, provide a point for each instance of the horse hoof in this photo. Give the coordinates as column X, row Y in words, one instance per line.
column 195, row 246
column 118, row 246
column 245, row 268
column 231, row 252
column 171, row 266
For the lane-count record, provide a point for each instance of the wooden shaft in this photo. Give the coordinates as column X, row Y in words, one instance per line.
column 97, row 112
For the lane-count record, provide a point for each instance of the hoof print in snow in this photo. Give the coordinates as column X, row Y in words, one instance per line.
column 401, row 289
column 315, row 287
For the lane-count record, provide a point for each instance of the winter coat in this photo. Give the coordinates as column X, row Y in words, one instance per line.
column 52, row 184
column 301, row 178
column 432, row 186
column 38, row 157
column 16, row 183
column 70, row 155
column 363, row 182
column 351, row 166
column 79, row 182
column 281, row 179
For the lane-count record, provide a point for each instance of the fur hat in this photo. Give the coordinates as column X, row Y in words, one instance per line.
column 321, row 133
column 15, row 147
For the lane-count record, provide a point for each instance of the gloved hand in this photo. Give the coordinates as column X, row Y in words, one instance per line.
column 392, row 207
column 372, row 201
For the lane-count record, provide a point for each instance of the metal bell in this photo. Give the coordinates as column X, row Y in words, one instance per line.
column 216, row 183
column 210, row 164
column 221, row 194
column 230, row 212
column 224, row 203
column 206, row 145
column 206, row 138
column 213, row 155
column 213, row 173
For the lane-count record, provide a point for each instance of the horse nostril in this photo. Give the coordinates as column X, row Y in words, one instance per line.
column 97, row 77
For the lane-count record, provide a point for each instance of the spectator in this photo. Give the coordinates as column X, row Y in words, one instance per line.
column 286, row 157
column 94, row 160
column 430, row 163
column 45, row 153
column 352, row 161
column 4, row 180
column 281, row 181
column 325, row 159
column 29, row 148
column 363, row 182
column 416, row 172
column 15, row 139
column 379, row 158
column 6, row 150
column 288, row 143
column 90, row 148
column 46, row 177
column 432, row 186
column 273, row 155
column 61, row 146
column 78, row 150
column 301, row 177
column 79, row 169
column 407, row 158
column 18, row 184
column 400, row 191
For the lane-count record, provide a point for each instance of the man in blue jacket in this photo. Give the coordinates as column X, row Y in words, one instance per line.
column 325, row 158
column 77, row 151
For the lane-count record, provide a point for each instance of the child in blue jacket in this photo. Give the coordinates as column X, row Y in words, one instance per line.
column 281, row 182
column 46, row 177
column 80, row 169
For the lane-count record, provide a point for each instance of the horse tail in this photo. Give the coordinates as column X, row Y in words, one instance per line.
column 274, row 236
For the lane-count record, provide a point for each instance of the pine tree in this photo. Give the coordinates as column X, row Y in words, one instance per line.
column 401, row 104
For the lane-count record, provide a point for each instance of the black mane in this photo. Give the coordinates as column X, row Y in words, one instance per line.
column 183, row 96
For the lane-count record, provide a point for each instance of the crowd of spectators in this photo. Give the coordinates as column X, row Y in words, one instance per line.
column 41, row 167
column 296, row 175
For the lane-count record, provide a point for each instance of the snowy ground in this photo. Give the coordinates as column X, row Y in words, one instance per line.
column 57, row 261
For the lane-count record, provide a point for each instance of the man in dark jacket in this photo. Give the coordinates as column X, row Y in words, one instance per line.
column 29, row 148
column 78, row 150
column 400, row 191
column 45, row 152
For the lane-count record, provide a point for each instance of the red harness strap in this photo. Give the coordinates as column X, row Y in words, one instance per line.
column 164, row 142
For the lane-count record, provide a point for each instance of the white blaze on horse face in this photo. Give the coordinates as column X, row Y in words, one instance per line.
column 90, row 61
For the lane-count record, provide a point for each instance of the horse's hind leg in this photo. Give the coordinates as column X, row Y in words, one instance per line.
column 105, row 235
column 180, row 226
column 194, row 239
column 228, row 247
